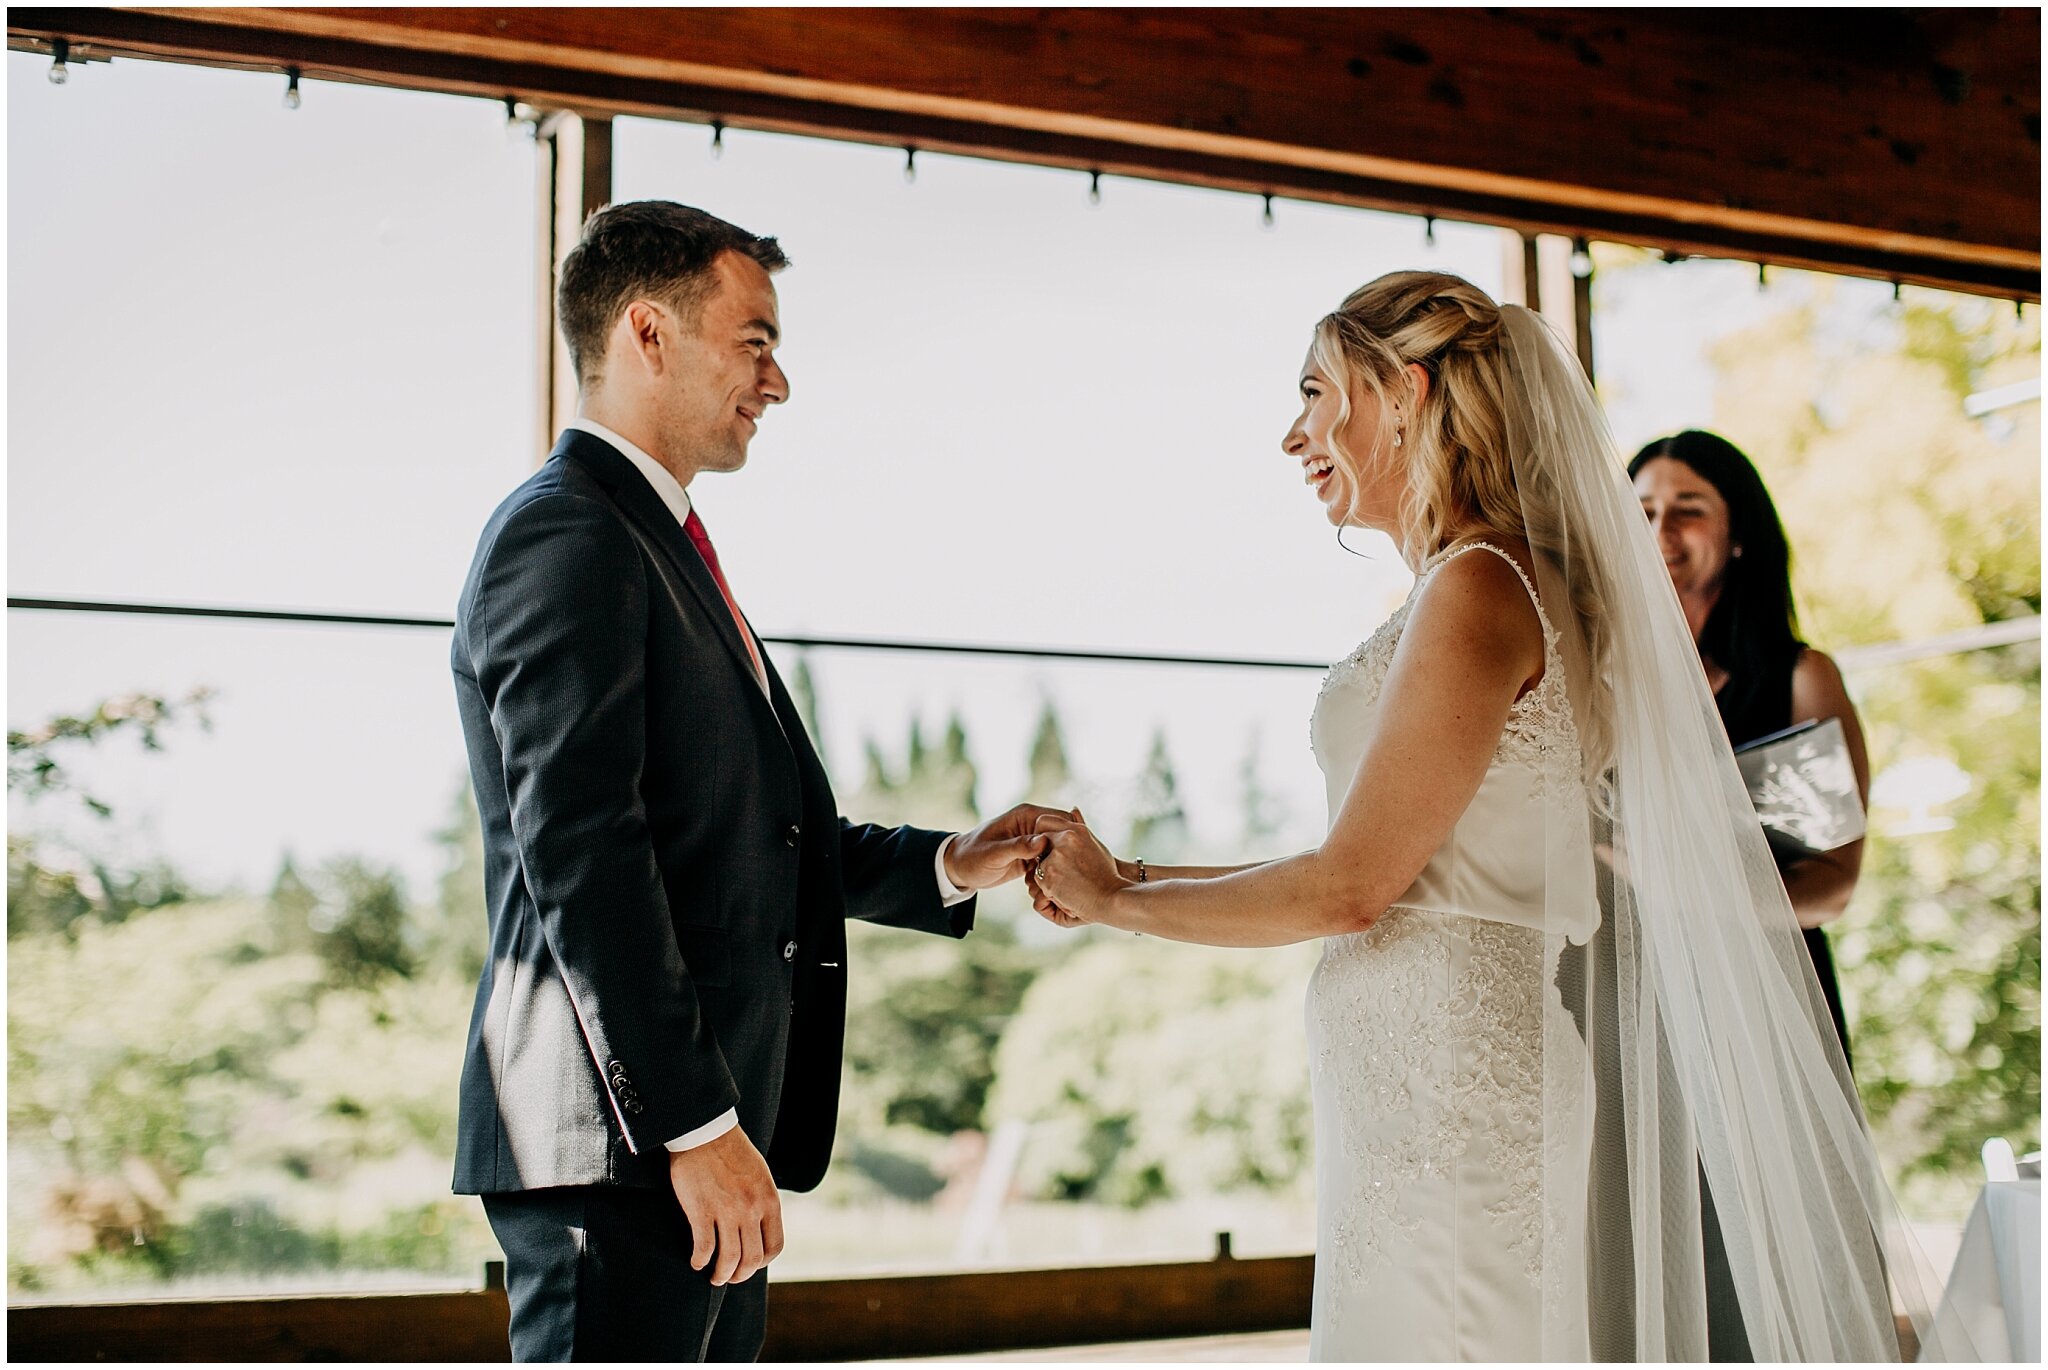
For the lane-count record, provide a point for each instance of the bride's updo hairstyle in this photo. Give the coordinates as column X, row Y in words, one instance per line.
column 1459, row 466
column 1455, row 445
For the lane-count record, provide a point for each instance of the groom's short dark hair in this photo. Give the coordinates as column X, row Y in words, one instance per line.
column 644, row 250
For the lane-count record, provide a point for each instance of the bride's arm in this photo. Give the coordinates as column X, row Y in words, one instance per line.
column 1466, row 653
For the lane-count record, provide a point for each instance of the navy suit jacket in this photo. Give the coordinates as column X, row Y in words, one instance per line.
column 665, row 868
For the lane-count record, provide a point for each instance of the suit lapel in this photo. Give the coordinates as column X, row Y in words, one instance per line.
column 645, row 509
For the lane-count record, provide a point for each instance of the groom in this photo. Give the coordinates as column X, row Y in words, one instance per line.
column 655, row 1043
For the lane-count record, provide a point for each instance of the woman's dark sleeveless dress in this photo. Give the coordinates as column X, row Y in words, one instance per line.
column 1748, row 715
column 1760, row 712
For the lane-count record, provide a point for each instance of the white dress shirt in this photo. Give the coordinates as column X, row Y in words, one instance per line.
column 677, row 499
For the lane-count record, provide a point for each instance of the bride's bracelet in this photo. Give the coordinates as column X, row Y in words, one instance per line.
column 1141, row 870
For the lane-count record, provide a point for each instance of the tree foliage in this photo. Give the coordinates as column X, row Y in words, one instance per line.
column 35, row 765
column 1152, row 1069
column 1910, row 519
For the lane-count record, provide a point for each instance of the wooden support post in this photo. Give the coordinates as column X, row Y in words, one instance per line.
column 1582, row 302
column 573, row 180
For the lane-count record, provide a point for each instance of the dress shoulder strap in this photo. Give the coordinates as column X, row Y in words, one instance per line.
column 1451, row 553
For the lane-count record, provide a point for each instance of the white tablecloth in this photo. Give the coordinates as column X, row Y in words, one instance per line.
column 1991, row 1309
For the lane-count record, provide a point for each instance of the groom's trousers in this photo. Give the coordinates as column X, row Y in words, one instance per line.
column 602, row 1273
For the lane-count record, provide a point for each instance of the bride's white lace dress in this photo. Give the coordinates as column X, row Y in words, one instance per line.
column 1426, row 1038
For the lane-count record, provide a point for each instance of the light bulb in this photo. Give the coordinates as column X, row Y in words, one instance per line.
column 291, row 89
column 59, row 73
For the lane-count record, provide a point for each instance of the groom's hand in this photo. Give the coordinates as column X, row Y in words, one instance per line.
column 999, row 850
column 729, row 1197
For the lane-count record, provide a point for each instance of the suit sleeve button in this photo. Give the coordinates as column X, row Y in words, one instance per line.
column 793, row 834
column 789, row 951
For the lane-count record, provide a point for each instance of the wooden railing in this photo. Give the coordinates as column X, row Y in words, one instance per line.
column 809, row 1320
column 881, row 1318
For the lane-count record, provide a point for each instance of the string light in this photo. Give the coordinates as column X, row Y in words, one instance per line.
column 1582, row 259
column 1898, row 292
column 717, row 139
column 910, row 166
column 1763, row 276
column 60, row 49
column 1094, row 188
column 521, row 119
column 1267, row 217
column 291, row 87
column 1429, row 230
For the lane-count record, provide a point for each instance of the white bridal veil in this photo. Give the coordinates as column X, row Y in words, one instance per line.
column 1687, row 1048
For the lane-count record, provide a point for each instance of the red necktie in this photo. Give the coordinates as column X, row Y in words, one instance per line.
column 694, row 526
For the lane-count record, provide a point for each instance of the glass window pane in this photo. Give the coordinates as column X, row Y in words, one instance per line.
column 1015, row 417
column 259, row 355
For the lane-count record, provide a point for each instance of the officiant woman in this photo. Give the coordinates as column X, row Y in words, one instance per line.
column 1726, row 552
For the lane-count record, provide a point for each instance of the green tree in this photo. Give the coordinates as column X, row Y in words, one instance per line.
column 361, row 922
column 1052, row 780
column 53, row 885
column 924, row 1017
column 1263, row 816
column 1150, row 1069
column 455, row 932
column 293, row 905
column 35, row 765
column 934, row 789
column 135, row 1051
column 1908, row 519
column 803, row 692
column 1159, row 823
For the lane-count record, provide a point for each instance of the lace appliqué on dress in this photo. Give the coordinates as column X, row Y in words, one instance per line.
column 1540, row 734
column 1421, row 1061
column 1392, row 1013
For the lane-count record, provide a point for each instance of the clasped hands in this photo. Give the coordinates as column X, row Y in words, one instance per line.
column 1070, row 874
column 1073, row 882
column 1068, row 871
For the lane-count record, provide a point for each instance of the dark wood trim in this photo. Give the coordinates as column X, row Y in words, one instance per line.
column 456, row 51
column 1582, row 308
column 809, row 1320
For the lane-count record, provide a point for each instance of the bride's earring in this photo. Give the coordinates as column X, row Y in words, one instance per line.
column 1397, row 437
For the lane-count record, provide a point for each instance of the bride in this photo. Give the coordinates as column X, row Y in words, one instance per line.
column 1562, row 995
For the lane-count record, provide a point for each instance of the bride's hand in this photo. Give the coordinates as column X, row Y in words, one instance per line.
column 1073, row 881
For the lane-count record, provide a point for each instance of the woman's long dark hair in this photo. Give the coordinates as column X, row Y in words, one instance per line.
column 1753, row 631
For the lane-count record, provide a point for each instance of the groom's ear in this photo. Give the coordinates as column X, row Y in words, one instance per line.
column 638, row 334
column 644, row 332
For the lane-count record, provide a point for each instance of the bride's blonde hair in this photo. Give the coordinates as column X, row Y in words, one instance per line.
column 1455, row 441
column 1459, row 466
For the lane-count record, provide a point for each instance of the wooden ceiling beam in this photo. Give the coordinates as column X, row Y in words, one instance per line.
column 1896, row 144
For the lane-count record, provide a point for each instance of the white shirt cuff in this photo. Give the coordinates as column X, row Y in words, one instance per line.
column 949, row 893
column 710, row 1132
